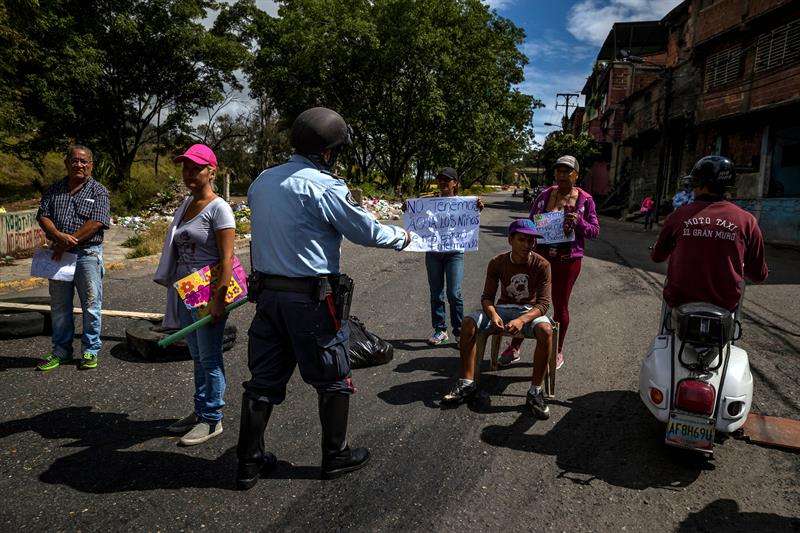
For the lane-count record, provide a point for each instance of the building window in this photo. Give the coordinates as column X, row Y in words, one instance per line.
column 779, row 47
column 723, row 67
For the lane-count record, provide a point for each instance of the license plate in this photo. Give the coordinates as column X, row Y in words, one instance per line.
column 692, row 432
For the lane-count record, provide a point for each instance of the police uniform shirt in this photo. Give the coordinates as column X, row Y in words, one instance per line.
column 298, row 217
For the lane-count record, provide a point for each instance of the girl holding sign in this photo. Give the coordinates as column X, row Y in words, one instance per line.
column 580, row 217
column 446, row 266
column 201, row 234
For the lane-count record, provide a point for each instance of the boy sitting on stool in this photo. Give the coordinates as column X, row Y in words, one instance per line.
column 524, row 279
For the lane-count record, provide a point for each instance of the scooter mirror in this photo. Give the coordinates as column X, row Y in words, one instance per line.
column 737, row 330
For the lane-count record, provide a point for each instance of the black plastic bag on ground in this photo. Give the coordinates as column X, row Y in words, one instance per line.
column 367, row 349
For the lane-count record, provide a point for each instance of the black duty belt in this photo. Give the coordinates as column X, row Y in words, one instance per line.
column 307, row 285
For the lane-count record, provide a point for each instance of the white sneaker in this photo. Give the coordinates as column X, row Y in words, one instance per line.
column 438, row 337
column 201, row 432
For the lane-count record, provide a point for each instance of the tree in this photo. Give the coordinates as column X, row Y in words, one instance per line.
column 116, row 74
column 583, row 147
column 423, row 83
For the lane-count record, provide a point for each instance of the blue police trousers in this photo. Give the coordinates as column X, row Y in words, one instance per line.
column 291, row 329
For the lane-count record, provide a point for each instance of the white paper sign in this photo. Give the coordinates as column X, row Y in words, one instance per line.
column 442, row 224
column 551, row 227
column 43, row 265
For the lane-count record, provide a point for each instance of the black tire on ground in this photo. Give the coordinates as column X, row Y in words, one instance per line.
column 22, row 323
column 15, row 324
column 142, row 338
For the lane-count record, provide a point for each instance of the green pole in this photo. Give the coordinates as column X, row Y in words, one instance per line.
column 178, row 335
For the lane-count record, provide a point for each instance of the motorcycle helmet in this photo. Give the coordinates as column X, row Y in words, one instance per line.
column 318, row 129
column 715, row 171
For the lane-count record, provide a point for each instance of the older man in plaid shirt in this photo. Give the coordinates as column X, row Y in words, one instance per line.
column 73, row 213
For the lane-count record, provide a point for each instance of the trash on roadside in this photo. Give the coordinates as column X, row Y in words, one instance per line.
column 382, row 209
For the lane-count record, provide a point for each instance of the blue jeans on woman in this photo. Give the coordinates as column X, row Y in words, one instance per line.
column 88, row 281
column 205, row 347
column 447, row 266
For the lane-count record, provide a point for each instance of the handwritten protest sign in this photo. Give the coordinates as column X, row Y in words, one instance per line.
column 442, row 224
column 44, row 266
column 551, row 226
column 195, row 289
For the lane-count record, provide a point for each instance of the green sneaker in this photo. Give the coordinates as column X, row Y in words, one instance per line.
column 88, row 361
column 50, row 362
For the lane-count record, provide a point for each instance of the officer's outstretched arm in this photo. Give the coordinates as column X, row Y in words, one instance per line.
column 339, row 209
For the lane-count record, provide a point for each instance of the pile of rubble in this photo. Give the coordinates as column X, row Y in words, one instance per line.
column 383, row 210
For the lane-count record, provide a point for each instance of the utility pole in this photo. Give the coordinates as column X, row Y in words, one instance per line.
column 566, row 105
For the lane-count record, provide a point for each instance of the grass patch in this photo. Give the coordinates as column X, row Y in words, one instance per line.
column 149, row 241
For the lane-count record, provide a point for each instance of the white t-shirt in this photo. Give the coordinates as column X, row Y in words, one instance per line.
column 195, row 239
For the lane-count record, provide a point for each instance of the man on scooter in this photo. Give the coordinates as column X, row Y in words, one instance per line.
column 712, row 244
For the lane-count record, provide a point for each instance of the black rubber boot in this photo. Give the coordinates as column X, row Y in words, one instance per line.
column 254, row 462
column 337, row 457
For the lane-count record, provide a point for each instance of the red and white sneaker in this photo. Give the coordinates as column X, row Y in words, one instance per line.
column 559, row 360
column 509, row 356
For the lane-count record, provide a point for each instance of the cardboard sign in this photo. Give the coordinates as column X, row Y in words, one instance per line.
column 551, row 226
column 446, row 224
column 195, row 289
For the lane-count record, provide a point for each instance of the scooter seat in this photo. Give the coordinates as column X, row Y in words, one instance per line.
column 703, row 324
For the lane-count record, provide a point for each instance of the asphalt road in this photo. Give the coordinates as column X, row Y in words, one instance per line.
column 87, row 450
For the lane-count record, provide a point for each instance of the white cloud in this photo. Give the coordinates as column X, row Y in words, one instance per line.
column 555, row 48
column 270, row 6
column 591, row 20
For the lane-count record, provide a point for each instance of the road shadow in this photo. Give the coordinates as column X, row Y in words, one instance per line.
column 606, row 435
column 111, row 460
column 415, row 345
column 122, row 352
column 8, row 363
column 443, row 370
column 723, row 516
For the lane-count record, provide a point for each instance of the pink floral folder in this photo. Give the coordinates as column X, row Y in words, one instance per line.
column 195, row 289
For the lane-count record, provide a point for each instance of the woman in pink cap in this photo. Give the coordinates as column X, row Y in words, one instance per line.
column 201, row 234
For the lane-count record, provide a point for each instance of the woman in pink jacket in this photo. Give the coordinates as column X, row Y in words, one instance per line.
column 565, row 259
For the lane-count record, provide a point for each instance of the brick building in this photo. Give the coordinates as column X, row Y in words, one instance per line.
column 728, row 83
column 612, row 81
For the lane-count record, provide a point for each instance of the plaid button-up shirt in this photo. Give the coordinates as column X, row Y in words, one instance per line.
column 70, row 212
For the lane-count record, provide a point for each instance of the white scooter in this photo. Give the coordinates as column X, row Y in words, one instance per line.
column 694, row 379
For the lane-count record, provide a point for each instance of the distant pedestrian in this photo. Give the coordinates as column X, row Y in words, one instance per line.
column 74, row 212
column 648, row 210
column 684, row 196
column 201, row 234
column 565, row 259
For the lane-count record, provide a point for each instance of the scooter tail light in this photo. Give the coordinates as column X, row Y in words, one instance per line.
column 695, row 396
column 656, row 396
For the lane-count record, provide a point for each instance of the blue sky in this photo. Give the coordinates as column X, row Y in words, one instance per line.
column 563, row 38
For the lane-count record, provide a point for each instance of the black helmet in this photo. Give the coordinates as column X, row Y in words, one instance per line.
column 715, row 171
column 318, row 129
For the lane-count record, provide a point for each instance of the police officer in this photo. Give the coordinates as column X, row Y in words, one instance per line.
column 300, row 211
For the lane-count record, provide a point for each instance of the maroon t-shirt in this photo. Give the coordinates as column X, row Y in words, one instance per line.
column 712, row 247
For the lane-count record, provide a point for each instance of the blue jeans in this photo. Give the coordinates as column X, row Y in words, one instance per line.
column 205, row 347
column 88, row 281
column 449, row 266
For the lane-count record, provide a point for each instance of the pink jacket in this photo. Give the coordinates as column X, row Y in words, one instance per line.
column 587, row 226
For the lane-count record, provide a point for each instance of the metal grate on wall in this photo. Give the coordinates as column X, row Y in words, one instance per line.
column 779, row 47
column 723, row 67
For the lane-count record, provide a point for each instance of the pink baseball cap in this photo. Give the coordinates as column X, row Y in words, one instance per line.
column 200, row 154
